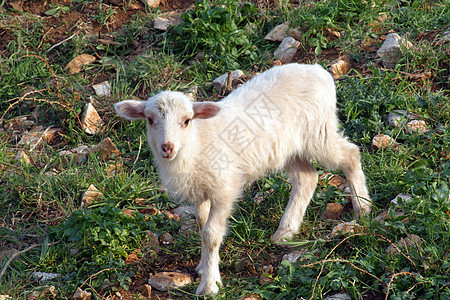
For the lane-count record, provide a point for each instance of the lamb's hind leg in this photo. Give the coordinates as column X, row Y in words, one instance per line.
column 345, row 156
column 304, row 178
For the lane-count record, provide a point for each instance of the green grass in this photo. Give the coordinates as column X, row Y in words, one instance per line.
column 40, row 204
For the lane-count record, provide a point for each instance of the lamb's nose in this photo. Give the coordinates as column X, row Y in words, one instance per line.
column 167, row 148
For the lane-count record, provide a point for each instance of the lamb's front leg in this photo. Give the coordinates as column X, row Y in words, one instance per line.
column 202, row 209
column 212, row 236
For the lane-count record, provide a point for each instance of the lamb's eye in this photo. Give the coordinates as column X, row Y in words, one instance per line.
column 150, row 121
column 187, row 122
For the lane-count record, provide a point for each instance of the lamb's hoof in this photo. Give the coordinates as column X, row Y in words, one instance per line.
column 207, row 289
column 282, row 236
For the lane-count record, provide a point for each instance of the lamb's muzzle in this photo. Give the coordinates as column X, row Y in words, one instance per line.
column 207, row 153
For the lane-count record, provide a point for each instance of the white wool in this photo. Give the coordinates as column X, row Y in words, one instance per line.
column 283, row 118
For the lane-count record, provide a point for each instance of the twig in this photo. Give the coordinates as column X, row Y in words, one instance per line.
column 15, row 255
column 139, row 151
column 62, row 42
column 392, row 279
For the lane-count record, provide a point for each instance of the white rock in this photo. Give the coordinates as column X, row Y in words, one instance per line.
column 287, row 49
column 165, row 280
column 90, row 196
column 80, row 153
column 5, row 297
column 185, row 211
column 43, row 276
column 391, row 50
column 296, row 34
column 397, row 117
column 152, row 3
column 162, row 23
column 382, row 141
column 76, row 64
column 278, row 33
column 106, row 149
column 293, row 256
column 418, row 126
column 404, row 243
column 102, row 89
column 340, row 68
column 340, row 296
column 192, row 92
column 91, row 122
column 344, row 229
column 81, row 295
column 220, row 81
column 405, row 198
column 31, row 140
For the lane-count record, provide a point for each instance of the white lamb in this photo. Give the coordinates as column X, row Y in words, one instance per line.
column 207, row 153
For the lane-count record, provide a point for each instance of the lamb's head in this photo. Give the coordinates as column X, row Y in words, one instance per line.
column 169, row 117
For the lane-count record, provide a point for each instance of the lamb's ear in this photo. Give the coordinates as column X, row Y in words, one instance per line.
column 205, row 110
column 131, row 109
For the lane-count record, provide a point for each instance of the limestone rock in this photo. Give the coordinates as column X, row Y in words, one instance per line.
column 405, row 198
column 185, row 211
column 296, row 34
column 278, row 33
column 332, row 211
column 31, row 140
column 79, row 153
column 76, row 64
column 162, row 23
column 23, row 158
column 43, row 276
column 251, row 297
column 220, row 82
column 344, row 229
column 152, row 3
column 90, row 196
column 293, row 256
column 405, row 243
column 81, row 295
column 18, row 124
column 416, row 126
column 106, row 149
column 166, row 238
column 391, row 50
column 91, row 122
column 340, row 296
column 165, row 280
column 382, row 141
column 287, row 49
column 398, row 117
column 152, row 241
column 102, row 89
column 5, row 297
column 340, row 68
column 188, row 227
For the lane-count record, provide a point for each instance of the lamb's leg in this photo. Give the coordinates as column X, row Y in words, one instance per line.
column 350, row 164
column 304, row 178
column 212, row 236
column 201, row 213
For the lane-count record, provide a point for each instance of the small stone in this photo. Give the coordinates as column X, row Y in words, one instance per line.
column 5, row 297
column 91, row 122
column 287, row 49
column 90, row 196
column 166, row 238
column 106, row 150
column 416, row 126
column 192, row 93
column 75, row 65
column 405, row 198
column 81, row 295
column 384, row 215
column 152, row 3
column 221, row 81
column 340, row 68
column 391, row 50
column 152, row 240
column 23, row 158
column 185, row 211
column 293, row 256
column 34, row 295
column 332, row 211
column 344, row 229
column 275, row 63
column 18, row 124
column 31, row 140
column 278, row 33
column 147, row 290
column 398, row 117
column 340, row 296
column 165, row 280
column 188, row 227
column 382, row 141
column 251, row 297
column 79, row 153
column 51, row 134
column 404, row 243
column 152, row 211
column 296, row 34
column 43, row 276
column 164, row 23
column 102, row 89
column 338, row 182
